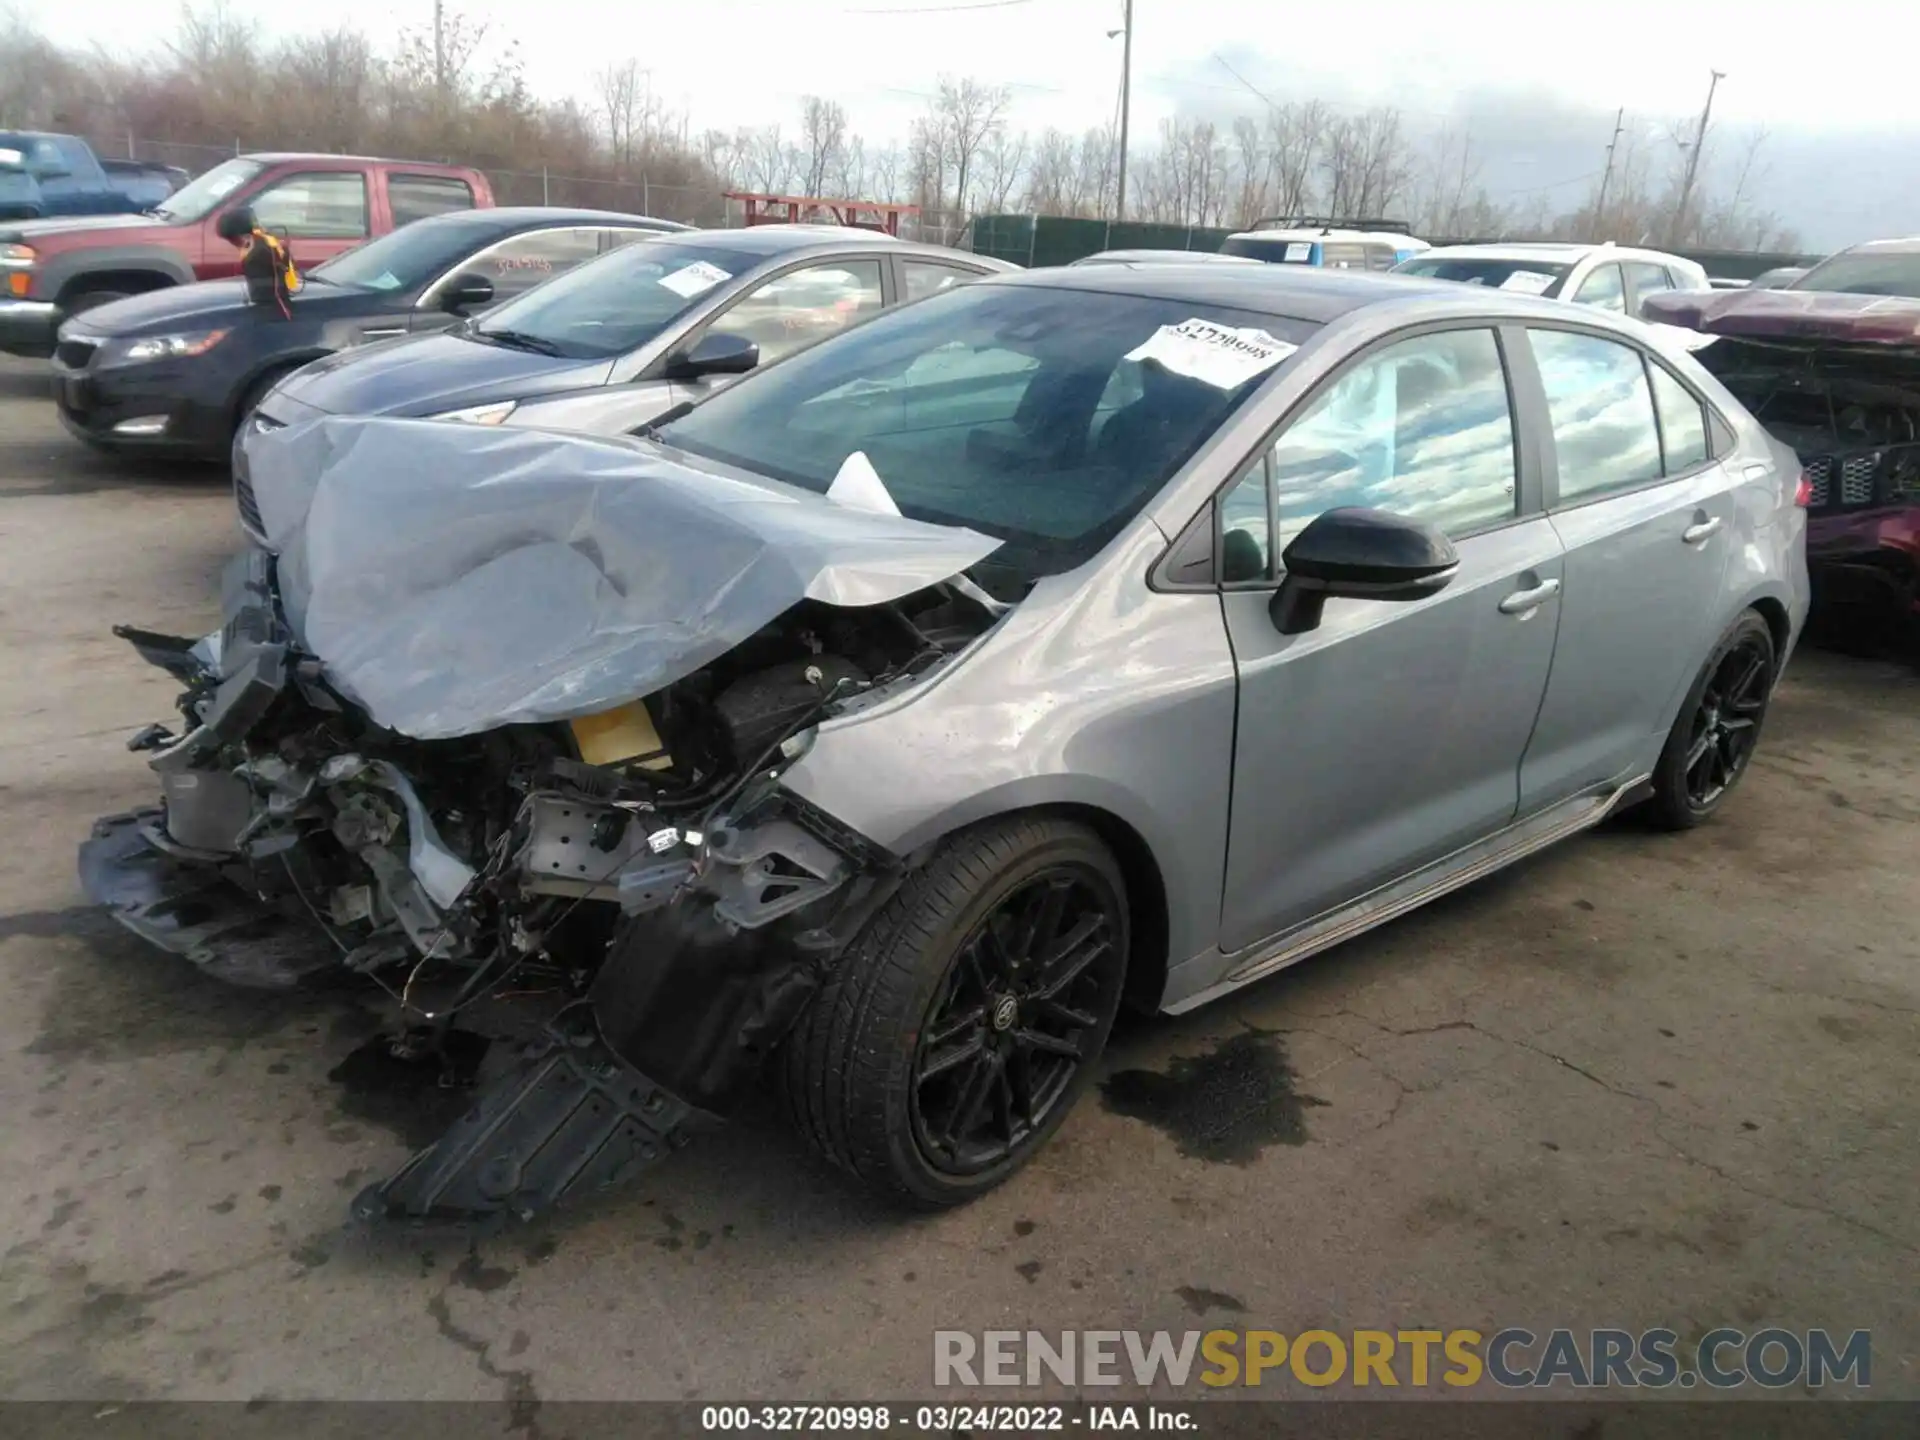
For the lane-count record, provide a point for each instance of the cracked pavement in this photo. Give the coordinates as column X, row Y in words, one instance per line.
column 1639, row 1080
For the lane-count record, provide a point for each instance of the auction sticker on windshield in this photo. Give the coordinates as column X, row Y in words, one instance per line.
column 695, row 279
column 1219, row 355
column 1529, row 282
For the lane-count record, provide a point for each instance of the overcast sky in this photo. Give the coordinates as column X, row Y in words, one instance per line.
column 747, row 62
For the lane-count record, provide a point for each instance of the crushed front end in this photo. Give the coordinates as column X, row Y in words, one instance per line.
column 620, row 899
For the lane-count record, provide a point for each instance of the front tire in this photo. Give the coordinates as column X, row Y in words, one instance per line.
column 964, row 1022
column 1714, row 738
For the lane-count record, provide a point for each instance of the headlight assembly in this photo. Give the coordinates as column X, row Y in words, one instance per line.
column 493, row 414
column 173, row 347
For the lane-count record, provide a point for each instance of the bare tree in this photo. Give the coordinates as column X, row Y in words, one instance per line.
column 823, row 132
column 619, row 91
column 1003, row 162
column 1365, row 163
column 967, row 114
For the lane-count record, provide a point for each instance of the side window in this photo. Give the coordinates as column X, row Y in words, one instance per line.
column 921, row 278
column 1683, row 422
column 1342, row 256
column 802, row 306
column 1648, row 279
column 615, row 239
column 322, row 205
column 76, row 158
column 415, row 197
column 43, row 157
column 1603, row 290
column 1246, row 530
column 1602, row 413
column 1421, row 428
column 1380, row 257
column 524, row 261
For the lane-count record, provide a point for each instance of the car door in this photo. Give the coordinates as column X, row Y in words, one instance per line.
column 1644, row 511
column 319, row 213
column 1392, row 734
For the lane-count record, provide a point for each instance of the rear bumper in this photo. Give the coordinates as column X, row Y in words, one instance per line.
column 27, row 327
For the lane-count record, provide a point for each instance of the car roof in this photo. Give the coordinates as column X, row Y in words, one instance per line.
column 1558, row 252
column 1900, row 245
column 767, row 242
column 1164, row 257
column 1292, row 292
column 514, row 217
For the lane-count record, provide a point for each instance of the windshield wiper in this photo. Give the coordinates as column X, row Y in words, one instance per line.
column 520, row 340
column 667, row 417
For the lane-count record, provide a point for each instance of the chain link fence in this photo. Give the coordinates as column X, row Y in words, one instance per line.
column 705, row 206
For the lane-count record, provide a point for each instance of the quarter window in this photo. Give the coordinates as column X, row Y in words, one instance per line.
column 1421, row 428
column 320, row 205
column 1603, row 290
column 1602, row 413
column 1246, row 530
column 1648, row 279
column 1683, row 422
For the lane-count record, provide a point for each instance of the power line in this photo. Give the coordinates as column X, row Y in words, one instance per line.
column 1258, row 92
column 941, row 9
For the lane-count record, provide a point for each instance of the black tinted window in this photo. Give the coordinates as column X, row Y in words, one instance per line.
column 1602, row 413
column 415, row 197
column 983, row 407
column 1683, row 422
column 1420, row 429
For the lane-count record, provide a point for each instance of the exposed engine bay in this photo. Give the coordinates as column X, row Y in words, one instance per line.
column 624, row 893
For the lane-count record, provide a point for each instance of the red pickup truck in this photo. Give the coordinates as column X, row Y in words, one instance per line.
column 321, row 204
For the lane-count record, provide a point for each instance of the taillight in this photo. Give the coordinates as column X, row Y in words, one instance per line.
column 1803, row 492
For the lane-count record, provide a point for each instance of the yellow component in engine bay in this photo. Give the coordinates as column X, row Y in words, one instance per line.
column 625, row 733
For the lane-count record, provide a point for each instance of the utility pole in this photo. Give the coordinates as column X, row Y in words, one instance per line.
column 1126, row 104
column 1606, row 176
column 1693, row 159
column 439, row 55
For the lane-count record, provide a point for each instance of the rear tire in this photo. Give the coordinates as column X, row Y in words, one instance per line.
column 982, row 992
column 1714, row 738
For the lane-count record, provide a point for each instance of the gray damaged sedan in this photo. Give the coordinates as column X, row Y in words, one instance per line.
column 1071, row 639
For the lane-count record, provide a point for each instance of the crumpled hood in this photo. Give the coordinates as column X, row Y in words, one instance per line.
column 453, row 578
column 1806, row 317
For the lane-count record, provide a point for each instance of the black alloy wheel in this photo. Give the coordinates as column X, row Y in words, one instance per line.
column 954, row 1035
column 1028, row 996
column 1719, row 725
column 1726, row 722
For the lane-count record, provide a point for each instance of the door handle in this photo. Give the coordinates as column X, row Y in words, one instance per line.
column 1701, row 533
column 1525, row 602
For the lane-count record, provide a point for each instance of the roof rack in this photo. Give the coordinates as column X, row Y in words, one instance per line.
column 1330, row 222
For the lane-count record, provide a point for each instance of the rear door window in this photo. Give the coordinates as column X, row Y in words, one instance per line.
column 415, row 197
column 921, row 278
column 1604, row 434
column 1648, row 279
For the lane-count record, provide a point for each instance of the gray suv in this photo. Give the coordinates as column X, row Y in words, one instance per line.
column 1073, row 637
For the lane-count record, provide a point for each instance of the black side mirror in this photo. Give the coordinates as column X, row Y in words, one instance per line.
column 1358, row 554
column 714, row 353
column 467, row 291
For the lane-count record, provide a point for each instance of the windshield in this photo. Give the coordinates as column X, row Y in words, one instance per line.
column 619, row 302
column 1865, row 273
column 198, row 198
column 1046, row 418
column 1529, row 277
column 410, row 256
